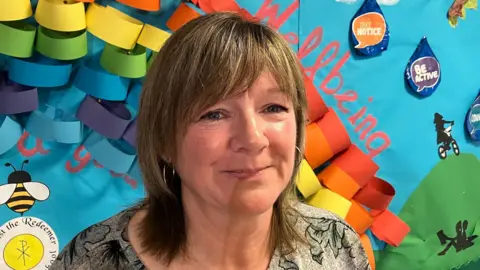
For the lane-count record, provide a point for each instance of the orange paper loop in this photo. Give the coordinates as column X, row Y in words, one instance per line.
column 148, row 5
column 367, row 245
column 216, row 5
column 334, row 131
column 389, row 228
column 316, row 105
column 377, row 194
column 338, row 181
column 359, row 218
column 317, row 150
column 356, row 164
column 183, row 14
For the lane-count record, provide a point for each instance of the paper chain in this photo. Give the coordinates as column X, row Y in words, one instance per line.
column 40, row 57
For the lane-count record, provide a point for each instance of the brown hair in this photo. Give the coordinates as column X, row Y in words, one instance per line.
column 200, row 64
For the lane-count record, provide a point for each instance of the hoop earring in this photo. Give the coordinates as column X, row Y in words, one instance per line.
column 165, row 175
column 300, row 156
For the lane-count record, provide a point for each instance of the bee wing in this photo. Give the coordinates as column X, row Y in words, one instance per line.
column 38, row 190
column 6, row 192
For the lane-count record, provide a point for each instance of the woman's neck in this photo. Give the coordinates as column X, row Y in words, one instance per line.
column 219, row 240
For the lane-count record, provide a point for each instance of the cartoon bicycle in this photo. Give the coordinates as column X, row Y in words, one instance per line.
column 444, row 136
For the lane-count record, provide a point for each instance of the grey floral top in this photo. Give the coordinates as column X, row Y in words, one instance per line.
column 333, row 245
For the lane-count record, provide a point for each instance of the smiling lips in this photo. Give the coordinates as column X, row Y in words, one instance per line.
column 243, row 174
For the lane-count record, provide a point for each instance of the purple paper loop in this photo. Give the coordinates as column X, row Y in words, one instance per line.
column 130, row 134
column 108, row 118
column 16, row 98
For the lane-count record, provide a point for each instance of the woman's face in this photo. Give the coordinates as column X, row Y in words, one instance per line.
column 239, row 154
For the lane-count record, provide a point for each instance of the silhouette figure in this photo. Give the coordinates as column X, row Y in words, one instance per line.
column 460, row 241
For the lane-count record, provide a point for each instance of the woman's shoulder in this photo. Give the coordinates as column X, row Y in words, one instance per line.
column 333, row 243
column 105, row 240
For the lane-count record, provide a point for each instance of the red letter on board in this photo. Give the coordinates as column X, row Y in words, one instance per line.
column 269, row 11
column 30, row 152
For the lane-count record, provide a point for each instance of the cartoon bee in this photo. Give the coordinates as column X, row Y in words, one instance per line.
column 20, row 193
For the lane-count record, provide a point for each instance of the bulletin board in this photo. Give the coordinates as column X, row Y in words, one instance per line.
column 393, row 102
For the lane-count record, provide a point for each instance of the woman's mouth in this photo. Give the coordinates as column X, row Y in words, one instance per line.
column 243, row 174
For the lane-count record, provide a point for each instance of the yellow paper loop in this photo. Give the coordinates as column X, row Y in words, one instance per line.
column 61, row 15
column 331, row 201
column 14, row 10
column 307, row 182
column 113, row 26
column 152, row 37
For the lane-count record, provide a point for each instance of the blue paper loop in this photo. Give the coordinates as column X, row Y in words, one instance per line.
column 53, row 125
column 133, row 98
column 39, row 71
column 10, row 133
column 107, row 154
column 95, row 81
column 67, row 99
column 135, row 171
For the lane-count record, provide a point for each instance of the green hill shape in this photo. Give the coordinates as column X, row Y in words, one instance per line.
column 448, row 194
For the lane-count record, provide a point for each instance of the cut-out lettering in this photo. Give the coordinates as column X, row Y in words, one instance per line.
column 80, row 160
column 369, row 122
column 269, row 11
column 38, row 149
column 335, row 73
column 312, row 41
column 377, row 135
column 348, row 96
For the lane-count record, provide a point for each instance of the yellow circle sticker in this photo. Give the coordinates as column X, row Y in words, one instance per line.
column 27, row 243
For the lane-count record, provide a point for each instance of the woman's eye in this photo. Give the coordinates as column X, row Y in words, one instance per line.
column 213, row 116
column 275, row 109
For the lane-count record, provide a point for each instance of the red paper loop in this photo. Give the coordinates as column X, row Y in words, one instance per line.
column 334, row 131
column 389, row 228
column 358, row 165
column 376, row 194
column 316, row 105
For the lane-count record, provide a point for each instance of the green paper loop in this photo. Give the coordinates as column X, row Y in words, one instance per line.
column 61, row 45
column 17, row 38
column 124, row 63
column 150, row 60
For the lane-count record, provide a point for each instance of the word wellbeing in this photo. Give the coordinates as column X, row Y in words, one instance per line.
column 364, row 124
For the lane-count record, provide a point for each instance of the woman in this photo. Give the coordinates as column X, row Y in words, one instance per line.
column 221, row 133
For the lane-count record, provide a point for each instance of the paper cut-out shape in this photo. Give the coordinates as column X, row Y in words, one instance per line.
column 104, row 22
column 108, row 118
column 359, row 218
column 376, row 194
column 445, row 140
column 389, row 228
column 61, row 15
column 15, row 10
column 148, row 5
column 183, row 14
column 460, row 241
column 367, row 245
column 152, row 38
column 10, row 132
column 329, row 200
column 17, row 39
column 306, row 181
column 61, row 45
column 316, row 106
column 128, row 64
column 16, row 98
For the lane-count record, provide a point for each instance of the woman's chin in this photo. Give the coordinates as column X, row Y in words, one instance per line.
column 253, row 203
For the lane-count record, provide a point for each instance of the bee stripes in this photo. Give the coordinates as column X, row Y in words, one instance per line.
column 20, row 201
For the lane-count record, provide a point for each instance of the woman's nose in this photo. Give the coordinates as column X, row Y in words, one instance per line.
column 249, row 134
